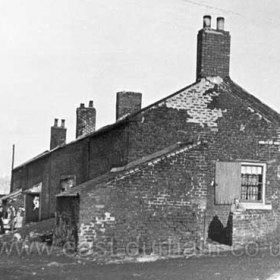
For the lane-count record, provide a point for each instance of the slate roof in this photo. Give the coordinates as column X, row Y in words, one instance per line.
column 251, row 101
column 154, row 158
column 227, row 84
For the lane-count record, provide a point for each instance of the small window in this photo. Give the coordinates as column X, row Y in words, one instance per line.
column 242, row 181
column 252, row 182
column 67, row 182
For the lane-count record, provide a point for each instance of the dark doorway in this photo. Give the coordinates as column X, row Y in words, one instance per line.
column 32, row 206
column 67, row 220
column 217, row 231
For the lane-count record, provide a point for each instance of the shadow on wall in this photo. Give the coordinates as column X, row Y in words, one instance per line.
column 217, row 231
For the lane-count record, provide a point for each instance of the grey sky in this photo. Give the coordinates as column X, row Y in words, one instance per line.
column 56, row 54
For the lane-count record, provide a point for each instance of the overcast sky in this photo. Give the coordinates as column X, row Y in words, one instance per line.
column 56, row 54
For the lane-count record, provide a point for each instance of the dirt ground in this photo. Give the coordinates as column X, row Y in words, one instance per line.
column 41, row 262
column 228, row 265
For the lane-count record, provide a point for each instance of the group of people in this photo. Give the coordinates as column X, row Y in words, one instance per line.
column 10, row 219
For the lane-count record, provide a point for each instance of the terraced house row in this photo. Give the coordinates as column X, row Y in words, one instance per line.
column 202, row 163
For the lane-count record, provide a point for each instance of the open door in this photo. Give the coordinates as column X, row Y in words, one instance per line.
column 32, row 205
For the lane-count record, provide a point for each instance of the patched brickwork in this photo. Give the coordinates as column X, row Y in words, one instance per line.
column 195, row 101
column 137, row 195
column 233, row 130
column 154, row 204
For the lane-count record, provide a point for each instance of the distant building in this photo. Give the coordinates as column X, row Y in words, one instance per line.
column 5, row 185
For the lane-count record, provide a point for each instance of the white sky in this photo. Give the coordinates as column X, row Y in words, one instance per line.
column 56, row 54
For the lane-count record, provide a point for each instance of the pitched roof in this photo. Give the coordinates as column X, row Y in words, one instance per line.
column 146, row 161
column 252, row 101
column 226, row 83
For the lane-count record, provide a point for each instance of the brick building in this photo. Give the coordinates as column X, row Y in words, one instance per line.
column 201, row 163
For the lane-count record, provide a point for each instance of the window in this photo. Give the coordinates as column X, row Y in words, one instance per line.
column 252, row 182
column 242, row 181
column 67, row 182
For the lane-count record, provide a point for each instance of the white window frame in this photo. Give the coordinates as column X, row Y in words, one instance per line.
column 261, row 203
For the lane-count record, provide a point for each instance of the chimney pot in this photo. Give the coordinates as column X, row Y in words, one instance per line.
column 213, row 50
column 90, row 104
column 220, row 23
column 62, row 123
column 82, row 105
column 58, row 134
column 55, row 122
column 207, row 21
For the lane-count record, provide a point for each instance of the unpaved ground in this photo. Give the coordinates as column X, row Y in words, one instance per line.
column 41, row 263
column 57, row 266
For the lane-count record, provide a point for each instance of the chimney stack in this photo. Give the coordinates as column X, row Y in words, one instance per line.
column 213, row 50
column 58, row 134
column 86, row 119
column 127, row 103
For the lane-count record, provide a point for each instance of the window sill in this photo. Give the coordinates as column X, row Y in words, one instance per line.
column 256, row 206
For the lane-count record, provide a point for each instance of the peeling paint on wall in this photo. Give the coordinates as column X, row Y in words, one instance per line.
column 195, row 100
column 88, row 232
column 104, row 220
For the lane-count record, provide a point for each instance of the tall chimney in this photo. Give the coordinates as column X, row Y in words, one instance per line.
column 213, row 50
column 127, row 103
column 58, row 134
column 86, row 119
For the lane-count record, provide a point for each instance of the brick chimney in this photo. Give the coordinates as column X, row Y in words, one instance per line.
column 86, row 119
column 213, row 50
column 58, row 134
column 127, row 103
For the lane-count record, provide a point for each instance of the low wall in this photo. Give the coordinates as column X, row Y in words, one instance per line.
column 254, row 225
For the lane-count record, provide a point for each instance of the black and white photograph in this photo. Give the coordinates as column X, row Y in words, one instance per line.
column 140, row 140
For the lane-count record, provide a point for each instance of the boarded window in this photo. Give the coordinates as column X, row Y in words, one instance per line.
column 227, row 182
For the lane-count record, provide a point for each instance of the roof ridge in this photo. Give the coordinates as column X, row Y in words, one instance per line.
column 115, row 172
column 252, row 101
column 155, row 155
column 106, row 127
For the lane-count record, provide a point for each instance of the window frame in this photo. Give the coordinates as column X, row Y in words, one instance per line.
column 64, row 178
column 258, row 164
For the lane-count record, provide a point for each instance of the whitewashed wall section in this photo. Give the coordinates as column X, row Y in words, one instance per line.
column 195, row 101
